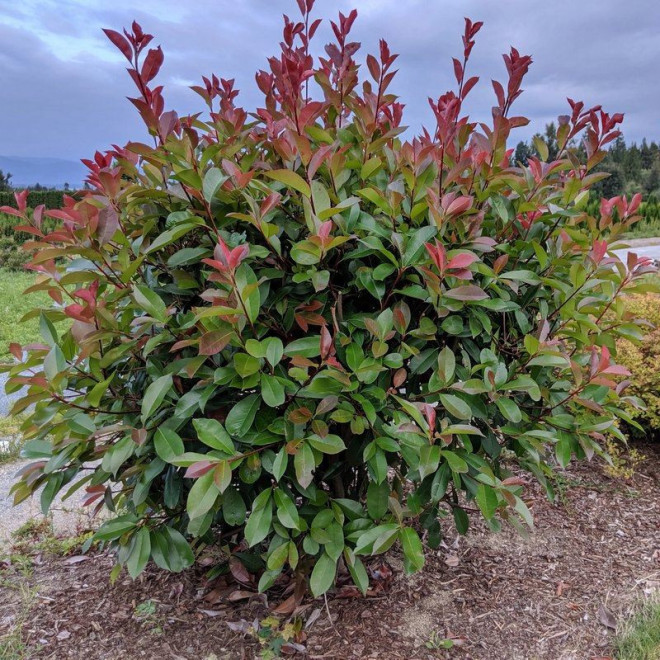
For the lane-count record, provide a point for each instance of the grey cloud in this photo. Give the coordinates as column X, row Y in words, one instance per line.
column 59, row 104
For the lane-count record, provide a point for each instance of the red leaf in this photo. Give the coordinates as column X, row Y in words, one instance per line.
column 326, row 342
column 199, row 469
column 462, row 260
column 214, row 341
column 467, row 292
column 120, row 42
column 152, row 64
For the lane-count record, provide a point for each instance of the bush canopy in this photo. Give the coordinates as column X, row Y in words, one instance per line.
column 300, row 336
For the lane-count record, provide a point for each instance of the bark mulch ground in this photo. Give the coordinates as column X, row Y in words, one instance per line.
column 558, row 595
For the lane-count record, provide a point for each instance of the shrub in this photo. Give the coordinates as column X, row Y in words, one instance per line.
column 53, row 199
column 643, row 360
column 12, row 254
column 301, row 335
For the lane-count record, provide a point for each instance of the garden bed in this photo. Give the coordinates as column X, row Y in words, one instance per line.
column 557, row 595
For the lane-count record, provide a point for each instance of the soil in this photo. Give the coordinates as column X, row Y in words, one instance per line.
column 558, row 595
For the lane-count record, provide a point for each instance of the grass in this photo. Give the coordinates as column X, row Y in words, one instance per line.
column 646, row 228
column 13, row 306
column 12, row 645
column 640, row 639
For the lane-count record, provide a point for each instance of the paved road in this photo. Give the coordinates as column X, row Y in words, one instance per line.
column 652, row 251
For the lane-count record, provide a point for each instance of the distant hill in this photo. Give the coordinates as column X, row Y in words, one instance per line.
column 51, row 172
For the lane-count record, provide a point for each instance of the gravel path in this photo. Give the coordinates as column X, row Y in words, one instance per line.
column 6, row 400
column 67, row 516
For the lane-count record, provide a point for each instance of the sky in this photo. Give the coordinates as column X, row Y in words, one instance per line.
column 64, row 85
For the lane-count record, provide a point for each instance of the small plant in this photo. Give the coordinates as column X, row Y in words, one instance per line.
column 36, row 535
column 625, row 460
column 272, row 636
column 437, row 641
column 298, row 334
column 146, row 613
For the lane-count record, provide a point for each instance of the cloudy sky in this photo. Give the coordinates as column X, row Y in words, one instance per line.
column 64, row 85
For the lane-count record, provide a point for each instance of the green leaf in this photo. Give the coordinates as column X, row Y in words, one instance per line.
column 278, row 557
column 202, row 496
column 509, row 409
column 258, row 524
column 222, row 475
column 248, row 289
column 272, row 391
column 213, row 434
column 330, row 444
column 140, row 552
column 549, row 360
column 213, row 179
column 245, row 364
column 429, row 459
column 306, row 253
column 413, row 552
column 456, row 463
column 303, row 462
column 274, row 350
column 305, row 347
column 241, row 417
column 487, row 500
column 455, row 406
column 290, row 179
column 233, row 508
column 99, row 391
column 323, row 575
column 168, row 444
column 446, row 365
column 415, row 246
column 286, row 510
column 113, row 529
column 563, row 451
column 174, row 234
column 154, row 396
column 150, row 302
column 357, row 570
column 170, row 550
column 280, row 463
column 377, row 499
column 461, row 520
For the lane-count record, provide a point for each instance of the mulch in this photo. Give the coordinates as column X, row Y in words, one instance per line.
column 558, row 595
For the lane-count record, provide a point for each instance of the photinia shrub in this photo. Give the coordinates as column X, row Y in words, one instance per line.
column 298, row 335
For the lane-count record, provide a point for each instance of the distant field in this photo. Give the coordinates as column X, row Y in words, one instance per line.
column 13, row 305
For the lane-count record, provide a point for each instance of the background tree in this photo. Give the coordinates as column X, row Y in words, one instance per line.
column 5, row 181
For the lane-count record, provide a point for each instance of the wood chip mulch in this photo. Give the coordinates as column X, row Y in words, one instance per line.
column 558, row 595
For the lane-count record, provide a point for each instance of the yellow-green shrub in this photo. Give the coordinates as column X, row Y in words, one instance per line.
column 643, row 360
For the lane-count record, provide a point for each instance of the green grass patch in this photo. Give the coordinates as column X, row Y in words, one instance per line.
column 640, row 638
column 14, row 304
column 645, row 228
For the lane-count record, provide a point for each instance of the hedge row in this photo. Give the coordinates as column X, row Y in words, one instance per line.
column 52, row 199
